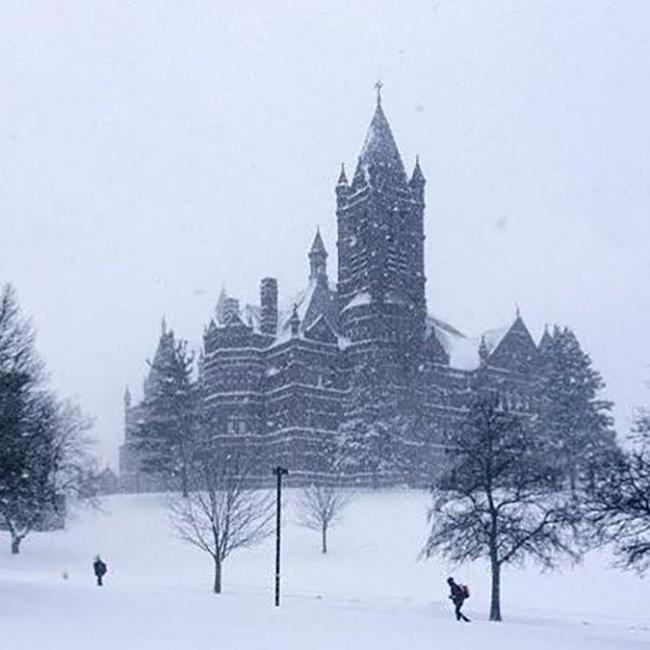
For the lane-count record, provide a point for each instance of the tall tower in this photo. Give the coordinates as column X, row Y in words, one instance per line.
column 381, row 249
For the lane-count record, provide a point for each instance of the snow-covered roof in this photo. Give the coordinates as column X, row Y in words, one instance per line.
column 317, row 300
column 463, row 351
column 361, row 298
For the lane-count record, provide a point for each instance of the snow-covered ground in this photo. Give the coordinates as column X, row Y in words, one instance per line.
column 371, row 591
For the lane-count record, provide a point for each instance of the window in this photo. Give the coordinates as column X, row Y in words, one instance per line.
column 237, row 425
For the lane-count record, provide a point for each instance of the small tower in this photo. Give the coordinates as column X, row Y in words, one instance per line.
column 483, row 352
column 417, row 182
column 317, row 258
column 294, row 321
column 546, row 342
column 359, row 180
column 342, row 188
column 269, row 305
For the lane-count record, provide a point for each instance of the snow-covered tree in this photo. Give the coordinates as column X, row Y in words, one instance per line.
column 320, row 507
column 376, row 428
column 44, row 452
column 222, row 512
column 496, row 498
column 572, row 415
column 167, row 433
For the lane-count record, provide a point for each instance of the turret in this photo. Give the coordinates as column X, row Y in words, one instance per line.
column 417, row 182
column 269, row 306
column 483, row 352
column 342, row 187
column 359, row 180
column 317, row 258
column 546, row 342
column 294, row 322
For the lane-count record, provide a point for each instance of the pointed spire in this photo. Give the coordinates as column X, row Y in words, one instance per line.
column 517, row 311
column 378, row 87
column 318, row 247
column 294, row 321
column 163, row 326
column 343, row 179
column 417, row 178
column 127, row 398
column 483, row 352
column 546, row 341
column 220, row 309
column 379, row 155
column 359, row 179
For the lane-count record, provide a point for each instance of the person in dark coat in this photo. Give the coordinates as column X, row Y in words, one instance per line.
column 100, row 568
column 457, row 596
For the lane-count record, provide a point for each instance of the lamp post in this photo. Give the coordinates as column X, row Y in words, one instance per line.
column 279, row 473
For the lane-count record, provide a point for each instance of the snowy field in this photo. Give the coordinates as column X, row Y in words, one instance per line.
column 371, row 591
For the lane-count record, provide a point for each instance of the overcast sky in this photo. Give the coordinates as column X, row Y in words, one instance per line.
column 151, row 152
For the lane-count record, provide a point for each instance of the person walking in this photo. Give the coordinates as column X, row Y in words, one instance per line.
column 100, row 568
column 458, row 595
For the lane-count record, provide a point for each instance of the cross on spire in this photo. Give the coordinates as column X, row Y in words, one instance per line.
column 378, row 87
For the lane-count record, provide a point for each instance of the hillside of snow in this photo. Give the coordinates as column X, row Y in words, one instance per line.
column 370, row 591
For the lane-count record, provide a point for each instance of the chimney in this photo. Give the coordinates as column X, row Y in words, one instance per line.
column 269, row 304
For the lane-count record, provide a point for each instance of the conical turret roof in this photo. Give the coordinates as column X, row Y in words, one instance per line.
column 380, row 161
column 318, row 247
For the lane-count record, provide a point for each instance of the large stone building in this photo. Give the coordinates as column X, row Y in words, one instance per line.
column 278, row 379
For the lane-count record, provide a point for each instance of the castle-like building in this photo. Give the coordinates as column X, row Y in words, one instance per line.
column 278, row 378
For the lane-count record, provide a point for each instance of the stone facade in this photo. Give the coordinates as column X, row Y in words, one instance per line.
column 276, row 380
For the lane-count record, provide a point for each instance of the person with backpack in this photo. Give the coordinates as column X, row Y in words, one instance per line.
column 459, row 594
column 100, row 568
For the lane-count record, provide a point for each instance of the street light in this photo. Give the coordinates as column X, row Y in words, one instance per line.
column 279, row 473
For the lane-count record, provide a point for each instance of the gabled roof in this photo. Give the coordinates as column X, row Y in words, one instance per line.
column 315, row 301
column 434, row 348
column 515, row 350
column 509, row 346
column 321, row 330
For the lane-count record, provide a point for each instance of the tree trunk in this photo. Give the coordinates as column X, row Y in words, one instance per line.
column 15, row 544
column 324, row 539
column 495, row 600
column 217, row 576
column 184, row 487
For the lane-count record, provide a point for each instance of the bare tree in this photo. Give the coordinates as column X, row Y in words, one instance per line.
column 617, row 506
column 497, row 498
column 320, row 508
column 222, row 512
